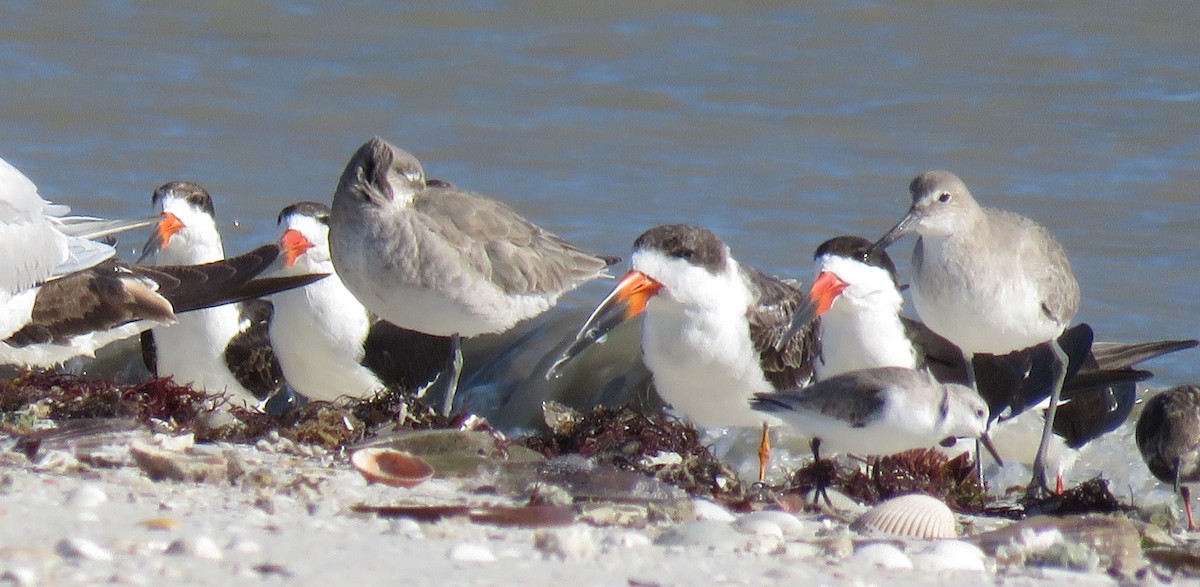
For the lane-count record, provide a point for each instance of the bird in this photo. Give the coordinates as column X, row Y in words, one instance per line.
column 327, row 343
column 1168, row 437
column 441, row 260
column 77, row 313
column 39, row 241
column 225, row 349
column 855, row 303
column 880, row 411
column 710, row 327
column 989, row 281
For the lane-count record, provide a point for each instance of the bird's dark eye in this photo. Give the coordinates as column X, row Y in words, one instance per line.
column 323, row 218
column 980, row 413
column 945, row 197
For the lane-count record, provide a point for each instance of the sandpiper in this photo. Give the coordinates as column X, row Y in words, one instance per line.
column 1168, row 436
column 440, row 260
column 988, row 280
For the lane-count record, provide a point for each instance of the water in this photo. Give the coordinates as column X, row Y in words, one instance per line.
column 775, row 125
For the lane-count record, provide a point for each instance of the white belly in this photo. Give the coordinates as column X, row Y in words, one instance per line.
column 705, row 369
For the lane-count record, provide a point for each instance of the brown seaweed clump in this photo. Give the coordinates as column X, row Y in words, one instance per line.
column 60, row 397
column 1091, row 496
column 919, row 471
column 633, row 441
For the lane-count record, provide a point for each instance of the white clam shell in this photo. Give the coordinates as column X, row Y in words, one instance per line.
column 914, row 516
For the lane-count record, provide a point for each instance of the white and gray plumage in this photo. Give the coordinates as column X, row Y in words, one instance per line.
column 855, row 304
column 988, row 280
column 710, row 327
column 440, row 260
column 39, row 241
column 328, row 344
column 225, row 349
column 1168, row 437
column 880, row 411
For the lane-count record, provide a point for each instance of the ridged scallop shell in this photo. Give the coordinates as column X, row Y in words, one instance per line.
column 391, row 467
column 914, row 516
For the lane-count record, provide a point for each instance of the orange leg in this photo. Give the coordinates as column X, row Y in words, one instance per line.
column 1058, row 485
column 1187, row 507
column 764, row 454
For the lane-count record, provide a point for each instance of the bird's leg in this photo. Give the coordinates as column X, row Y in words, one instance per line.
column 1186, row 494
column 969, row 358
column 456, row 364
column 823, row 480
column 1038, row 486
column 764, row 453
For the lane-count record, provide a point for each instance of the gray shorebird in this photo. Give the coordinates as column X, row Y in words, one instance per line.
column 1168, row 436
column 433, row 258
column 880, row 411
column 989, row 281
column 328, row 344
column 225, row 349
column 710, row 327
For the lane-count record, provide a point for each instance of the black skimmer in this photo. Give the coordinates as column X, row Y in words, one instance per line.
column 77, row 313
column 225, row 349
column 1168, row 436
column 855, row 303
column 989, row 281
column 440, row 260
column 328, row 344
column 710, row 328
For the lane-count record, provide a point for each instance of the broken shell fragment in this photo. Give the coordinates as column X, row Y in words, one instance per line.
column 391, row 467
column 914, row 516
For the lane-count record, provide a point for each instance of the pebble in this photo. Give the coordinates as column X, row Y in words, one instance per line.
column 703, row 533
column 790, row 525
column 879, row 555
column 199, row 547
column 85, row 496
column 19, row 577
column 572, row 543
column 469, row 552
column 627, row 539
column 243, row 546
column 950, row 555
column 759, row 527
column 82, row 548
column 708, row 511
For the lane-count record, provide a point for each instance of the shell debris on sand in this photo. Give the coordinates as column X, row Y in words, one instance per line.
column 391, row 467
column 915, row 515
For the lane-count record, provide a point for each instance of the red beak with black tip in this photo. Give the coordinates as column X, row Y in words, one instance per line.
column 293, row 244
column 824, row 291
column 626, row 300
column 168, row 226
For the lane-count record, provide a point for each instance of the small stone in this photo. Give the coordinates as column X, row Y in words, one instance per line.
column 790, row 525
column 243, row 546
column 708, row 511
column 572, row 543
column 86, row 496
column 407, row 528
column 82, row 548
column 758, row 527
column 950, row 555
column 879, row 555
column 19, row 577
column 468, row 552
column 703, row 533
column 199, row 547
column 628, row 539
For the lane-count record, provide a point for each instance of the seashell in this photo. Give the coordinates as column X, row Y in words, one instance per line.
column 915, row 515
column 391, row 467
